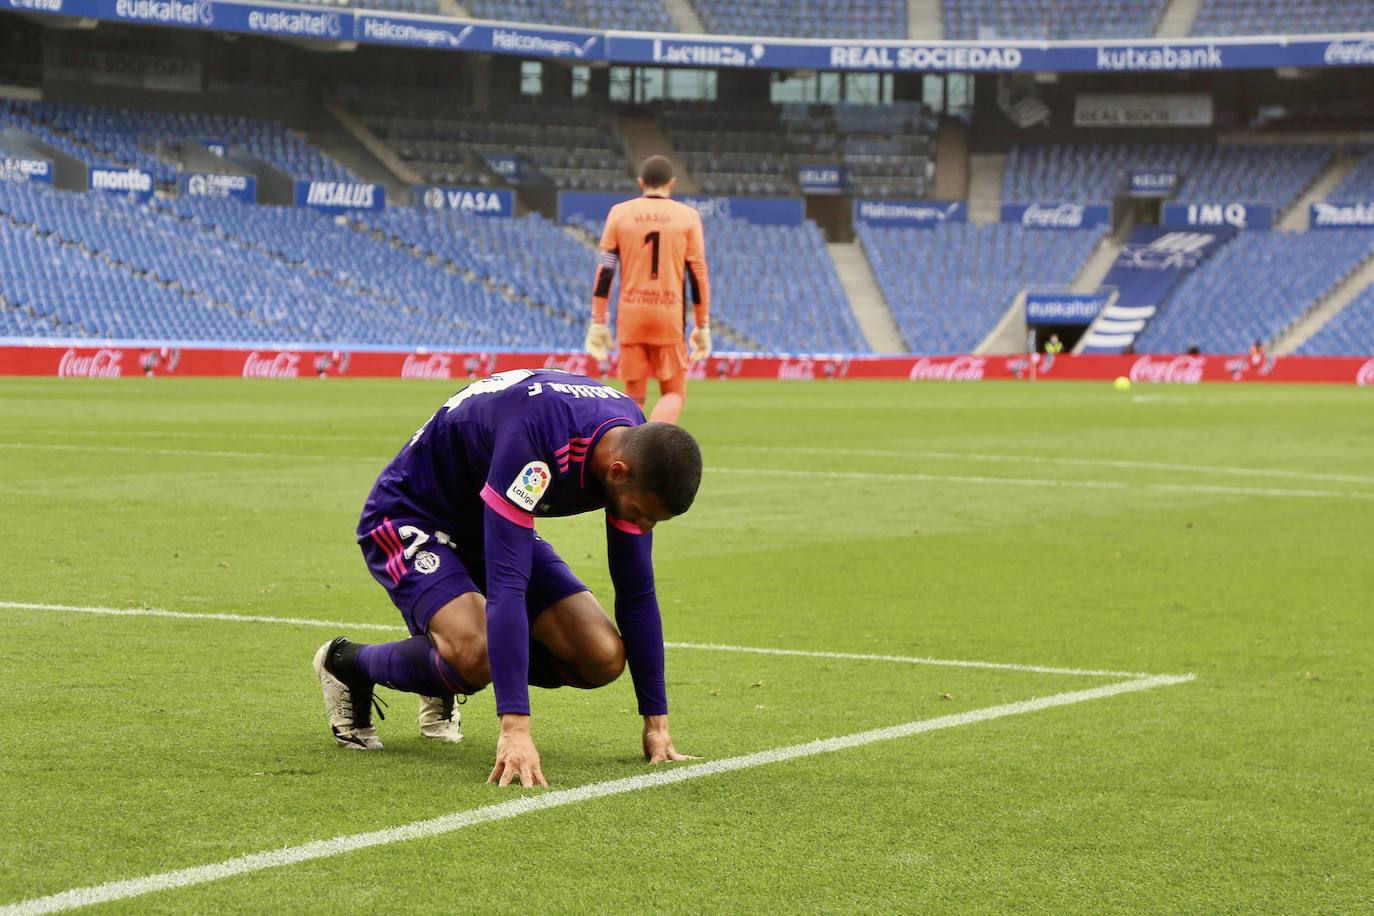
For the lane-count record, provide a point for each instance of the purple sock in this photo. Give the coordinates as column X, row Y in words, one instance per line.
column 411, row 665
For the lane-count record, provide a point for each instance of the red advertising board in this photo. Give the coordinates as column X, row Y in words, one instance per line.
column 117, row 362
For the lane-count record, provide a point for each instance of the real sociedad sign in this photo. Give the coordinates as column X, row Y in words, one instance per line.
column 907, row 214
column 1057, row 216
column 22, row 171
column 1342, row 216
column 214, row 185
column 338, row 196
column 1065, row 308
column 477, row 201
column 131, row 182
column 1236, row 215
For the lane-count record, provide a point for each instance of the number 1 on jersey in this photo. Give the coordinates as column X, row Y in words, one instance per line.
column 653, row 237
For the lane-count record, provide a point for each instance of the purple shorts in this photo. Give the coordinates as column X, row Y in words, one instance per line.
column 423, row 570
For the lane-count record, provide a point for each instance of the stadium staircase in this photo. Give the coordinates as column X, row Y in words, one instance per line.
column 1295, row 218
column 925, row 20
column 341, row 141
column 985, row 187
column 952, row 160
column 1329, row 307
column 1096, row 268
column 1009, row 335
column 685, row 16
column 866, row 298
column 1178, row 19
column 384, row 154
column 643, row 137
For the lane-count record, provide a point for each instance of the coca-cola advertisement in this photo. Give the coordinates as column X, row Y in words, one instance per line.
column 102, row 363
column 949, row 369
column 1173, row 370
column 423, row 365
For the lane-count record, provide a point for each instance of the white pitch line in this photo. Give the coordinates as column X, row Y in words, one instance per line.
column 192, row 615
column 544, row 801
column 709, row 647
column 906, row 660
column 1068, row 462
column 1051, row 483
column 784, row 472
column 176, row 452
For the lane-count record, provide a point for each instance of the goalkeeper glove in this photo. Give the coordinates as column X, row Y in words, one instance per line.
column 700, row 344
column 599, row 341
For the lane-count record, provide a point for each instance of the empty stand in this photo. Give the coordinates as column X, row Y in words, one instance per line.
column 1284, row 17
column 1093, row 173
column 949, row 286
column 1349, row 333
column 573, row 147
column 1051, row 18
column 647, row 16
column 1253, row 289
column 806, row 18
column 886, row 150
column 149, row 140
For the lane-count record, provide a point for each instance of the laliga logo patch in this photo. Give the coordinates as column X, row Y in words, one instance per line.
column 529, row 485
column 426, row 562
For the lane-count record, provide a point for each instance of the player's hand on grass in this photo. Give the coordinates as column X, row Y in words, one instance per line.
column 700, row 344
column 658, row 744
column 516, row 755
column 599, row 341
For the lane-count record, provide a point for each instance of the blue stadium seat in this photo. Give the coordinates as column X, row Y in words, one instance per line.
column 1283, row 17
column 1349, row 333
column 949, row 286
column 1087, row 173
column 1253, row 289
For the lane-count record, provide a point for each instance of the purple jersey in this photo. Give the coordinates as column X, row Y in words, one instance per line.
column 500, row 453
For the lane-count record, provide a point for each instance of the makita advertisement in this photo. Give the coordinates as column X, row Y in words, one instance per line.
column 1152, row 183
column 1057, row 216
column 1342, row 216
column 1235, row 215
column 1064, row 308
column 708, row 51
column 1151, row 264
column 22, row 171
column 339, row 196
column 592, row 207
column 78, row 359
column 821, row 179
column 210, row 184
column 909, row 214
column 476, row 201
column 134, row 183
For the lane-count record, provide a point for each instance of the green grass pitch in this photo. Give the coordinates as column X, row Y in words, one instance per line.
column 1226, row 532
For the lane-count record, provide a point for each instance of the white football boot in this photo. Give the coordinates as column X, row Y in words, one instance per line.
column 440, row 719
column 349, row 707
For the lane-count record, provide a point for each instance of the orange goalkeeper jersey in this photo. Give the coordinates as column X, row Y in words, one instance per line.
column 658, row 245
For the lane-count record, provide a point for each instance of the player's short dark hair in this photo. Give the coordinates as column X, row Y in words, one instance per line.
column 664, row 460
column 656, row 171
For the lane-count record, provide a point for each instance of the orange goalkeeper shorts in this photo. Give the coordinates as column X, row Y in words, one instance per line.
column 664, row 362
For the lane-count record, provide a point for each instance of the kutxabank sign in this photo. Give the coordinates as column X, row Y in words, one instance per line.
column 715, row 51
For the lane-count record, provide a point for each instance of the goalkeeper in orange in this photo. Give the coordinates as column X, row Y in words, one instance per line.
column 658, row 245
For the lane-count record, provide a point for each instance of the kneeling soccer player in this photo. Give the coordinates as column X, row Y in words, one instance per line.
column 448, row 531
